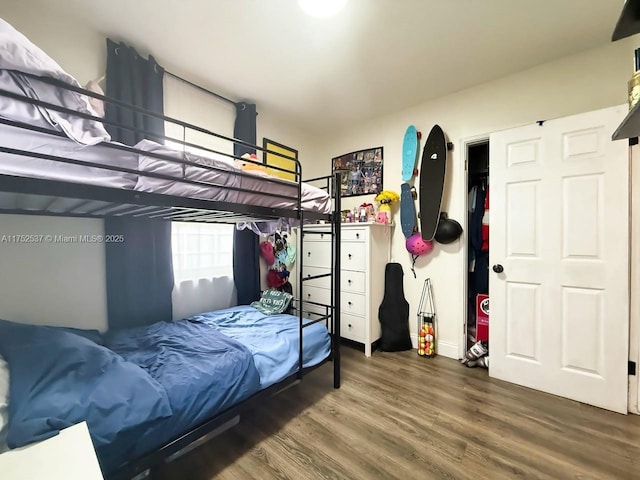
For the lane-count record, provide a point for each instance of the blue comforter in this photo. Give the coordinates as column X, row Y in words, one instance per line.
column 146, row 386
column 203, row 372
column 272, row 339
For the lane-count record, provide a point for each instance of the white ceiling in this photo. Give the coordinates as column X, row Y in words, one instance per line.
column 376, row 57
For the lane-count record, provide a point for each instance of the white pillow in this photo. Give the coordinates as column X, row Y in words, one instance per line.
column 4, row 403
column 96, row 104
column 17, row 53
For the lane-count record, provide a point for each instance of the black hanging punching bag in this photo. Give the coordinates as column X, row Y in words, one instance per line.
column 394, row 312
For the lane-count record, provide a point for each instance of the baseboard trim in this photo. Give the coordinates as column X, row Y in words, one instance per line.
column 449, row 350
column 446, row 349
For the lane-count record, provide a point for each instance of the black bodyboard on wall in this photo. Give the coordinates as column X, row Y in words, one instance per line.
column 394, row 312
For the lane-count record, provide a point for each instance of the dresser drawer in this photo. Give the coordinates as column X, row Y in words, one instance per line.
column 324, row 282
column 353, row 256
column 316, row 294
column 353, row 281
column 317, row 254
column 353, row 234
column 352, row 327
column 322, row 236
column 352, row 303
column 313, row 312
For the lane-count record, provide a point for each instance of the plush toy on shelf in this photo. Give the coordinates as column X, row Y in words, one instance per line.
column 386, row 199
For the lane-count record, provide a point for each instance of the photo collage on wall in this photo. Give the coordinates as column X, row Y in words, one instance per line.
column 361, row 172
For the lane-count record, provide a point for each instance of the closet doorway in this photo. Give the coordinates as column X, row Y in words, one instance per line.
column 476, row 327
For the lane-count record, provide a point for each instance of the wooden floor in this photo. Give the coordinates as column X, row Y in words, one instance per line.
column 401, row 416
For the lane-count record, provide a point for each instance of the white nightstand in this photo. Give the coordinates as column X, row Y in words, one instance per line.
column 67, row 456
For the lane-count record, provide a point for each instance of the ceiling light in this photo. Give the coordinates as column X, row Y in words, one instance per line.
column 322, row 8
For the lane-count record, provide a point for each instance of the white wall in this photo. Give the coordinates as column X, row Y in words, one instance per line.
column 47, row 282
column 587, row 81
column 77, row 295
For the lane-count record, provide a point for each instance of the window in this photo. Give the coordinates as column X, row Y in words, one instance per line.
column 201, row 250
column 198, row 108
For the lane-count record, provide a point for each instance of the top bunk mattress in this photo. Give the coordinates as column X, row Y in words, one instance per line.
column 221, row 180
column 47, row 144
column 224, row 183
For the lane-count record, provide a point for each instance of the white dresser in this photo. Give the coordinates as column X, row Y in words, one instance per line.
column 365, row 251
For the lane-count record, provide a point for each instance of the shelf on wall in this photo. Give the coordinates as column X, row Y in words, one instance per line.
column 628, row 24
column 630, row 126
column 629, row 21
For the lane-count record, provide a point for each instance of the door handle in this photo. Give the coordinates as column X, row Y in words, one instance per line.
column 498, row 268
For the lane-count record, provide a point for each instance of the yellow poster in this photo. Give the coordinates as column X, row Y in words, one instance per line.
column 278, row 161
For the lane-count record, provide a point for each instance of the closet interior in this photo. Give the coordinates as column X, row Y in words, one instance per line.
column 478, row 248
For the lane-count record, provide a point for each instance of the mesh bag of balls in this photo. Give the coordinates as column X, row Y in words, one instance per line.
column 426, row 338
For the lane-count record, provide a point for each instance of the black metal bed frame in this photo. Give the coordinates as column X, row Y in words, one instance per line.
column 93, row 201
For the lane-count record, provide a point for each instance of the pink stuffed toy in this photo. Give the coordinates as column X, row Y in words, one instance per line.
column 382, row 217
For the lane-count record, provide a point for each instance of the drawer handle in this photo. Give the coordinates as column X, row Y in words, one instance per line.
column 308, row 295
column 349, row 325
column 349, row 303
column 322, row 235
column 357, row 235
column 349, row 282
column 349, row 256
column 308, row 254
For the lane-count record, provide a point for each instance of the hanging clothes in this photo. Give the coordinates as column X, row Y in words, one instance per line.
column 479, row 240
column 485, row 223
column 475, row 225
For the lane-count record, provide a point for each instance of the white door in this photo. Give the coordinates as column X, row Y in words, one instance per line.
column 559, row 206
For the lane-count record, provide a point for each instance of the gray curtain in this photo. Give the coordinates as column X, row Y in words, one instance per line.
column 139, row 269
column 246, row 258
column 139, row 272
column 136, row 81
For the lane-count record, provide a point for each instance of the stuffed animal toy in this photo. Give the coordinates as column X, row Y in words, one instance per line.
column 251, row 167
column 382, row 217
column 386, row 199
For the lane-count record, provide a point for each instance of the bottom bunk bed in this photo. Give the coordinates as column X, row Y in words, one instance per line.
column 149, row 392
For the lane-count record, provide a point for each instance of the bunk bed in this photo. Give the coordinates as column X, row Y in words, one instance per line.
column 44, row 172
